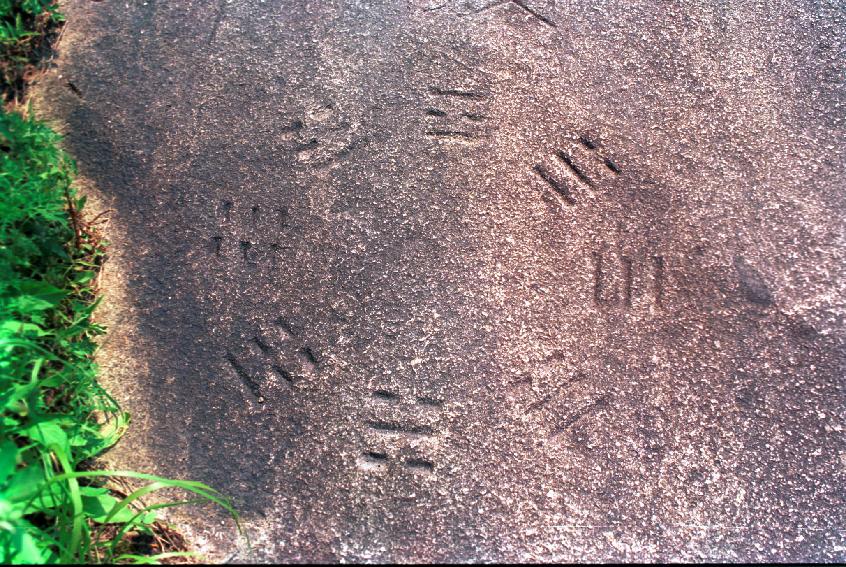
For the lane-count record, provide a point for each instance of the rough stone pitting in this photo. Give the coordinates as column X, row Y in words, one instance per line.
column 475, row 280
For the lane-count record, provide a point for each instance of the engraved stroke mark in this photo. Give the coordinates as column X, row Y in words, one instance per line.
column 322, row 136
column 534, row 13
column 572, row 418
column 753, row 287
column 273, row 356
column 455, row 114
column 397, row 441
column 248, row 233
column 557, row 391
column 555, row 408
column 572, row 171
column 623, row 281
column 523, row 5
column 219, row 16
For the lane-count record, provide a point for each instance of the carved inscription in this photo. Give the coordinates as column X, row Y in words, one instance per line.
column 621, row 281
column 571, row 172
column 273, row 358
column 400, row 433
column 456, row 115
column 248, row 233
column 562, row 405
column 473, row 7
column 323, row 135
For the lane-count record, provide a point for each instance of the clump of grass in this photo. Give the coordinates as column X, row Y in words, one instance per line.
column 26, row 29
column 54, row 416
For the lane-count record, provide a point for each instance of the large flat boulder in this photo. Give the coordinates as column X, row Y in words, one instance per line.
column 472, row 281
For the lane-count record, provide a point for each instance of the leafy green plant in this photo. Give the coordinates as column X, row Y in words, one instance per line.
column 26, row 26
column 54, row 416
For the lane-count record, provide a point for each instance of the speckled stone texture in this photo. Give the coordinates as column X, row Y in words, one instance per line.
column 473, row 281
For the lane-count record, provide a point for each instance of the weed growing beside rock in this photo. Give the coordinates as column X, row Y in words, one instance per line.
column 26, row 30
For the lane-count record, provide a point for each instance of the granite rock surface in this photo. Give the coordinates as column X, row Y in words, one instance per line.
column 474, row 281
